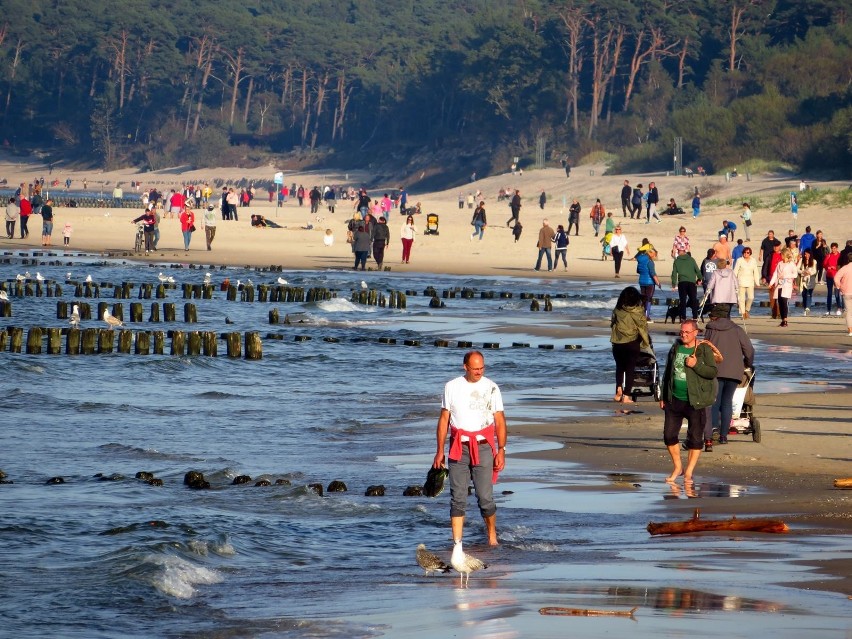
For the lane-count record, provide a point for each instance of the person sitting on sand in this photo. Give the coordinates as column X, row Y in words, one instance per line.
column 688, row 388
column 258, row 221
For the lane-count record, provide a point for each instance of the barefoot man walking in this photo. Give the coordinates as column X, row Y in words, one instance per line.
column 688, row 389
column 472, row 414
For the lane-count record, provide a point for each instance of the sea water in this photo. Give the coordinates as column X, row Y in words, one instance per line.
column 107, row 555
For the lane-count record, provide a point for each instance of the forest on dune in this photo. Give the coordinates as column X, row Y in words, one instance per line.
column 204, row 83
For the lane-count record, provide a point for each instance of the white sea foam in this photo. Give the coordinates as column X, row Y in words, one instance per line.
column 343, row 305
column 580, row 303
column 176, row 576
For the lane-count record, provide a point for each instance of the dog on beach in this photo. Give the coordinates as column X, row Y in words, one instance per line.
column 673, row 314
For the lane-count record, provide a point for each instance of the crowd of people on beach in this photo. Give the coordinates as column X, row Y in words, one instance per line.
column 28, row 201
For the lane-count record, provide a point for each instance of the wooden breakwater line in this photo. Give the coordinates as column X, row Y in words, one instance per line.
column 98, row 341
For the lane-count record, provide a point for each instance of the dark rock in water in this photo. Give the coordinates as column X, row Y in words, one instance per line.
column 263, row 482
column 336, row 486
column 6, row 481
column 282, row 482
column 434, row 485
column 241, row 479
column 508, row 492
column 154, row 481
column 144, row 475
column 56, row 480
column 413, row 491
column 317, row 488
column 200, row 485
column 193, row 477
column 113, row 477
column 375, row 491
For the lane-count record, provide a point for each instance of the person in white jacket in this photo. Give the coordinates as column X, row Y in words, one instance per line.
column 747, row 274
column 843, row 282
column 722, row 288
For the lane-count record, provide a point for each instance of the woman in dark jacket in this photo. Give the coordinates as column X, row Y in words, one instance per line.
column 381, row 238
column 361, row 246
column 629, row 335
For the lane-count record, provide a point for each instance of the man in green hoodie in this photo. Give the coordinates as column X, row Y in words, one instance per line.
column 688, row 388
column 686, row 276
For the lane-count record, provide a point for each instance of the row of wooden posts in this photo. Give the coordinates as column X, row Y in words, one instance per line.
column 93, row 341
column 64, row 309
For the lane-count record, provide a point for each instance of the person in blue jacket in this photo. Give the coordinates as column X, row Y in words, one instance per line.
column 648, row 280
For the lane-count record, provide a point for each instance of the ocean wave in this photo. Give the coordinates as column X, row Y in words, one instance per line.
column 592, row 304
column 173, row 575
column 343, row 305
column 144, row 453
column 221, row 547
column 217, row 395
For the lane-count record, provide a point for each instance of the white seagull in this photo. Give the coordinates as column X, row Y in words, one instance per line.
column 27, row 275
column 111, row 320
column 282, row 281
column 88, row 279
column 74, row 320
column 68, row 276
column 163, row 278
column 4, row 297
column 364, row 286
column 429, row 561
column 39, row 277
column 207, row 278
column 170, row 280
column 464, row 563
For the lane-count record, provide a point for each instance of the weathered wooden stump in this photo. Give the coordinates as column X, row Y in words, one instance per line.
column 106, row 340
column 16, row 339
column 231, row 295
column 6, row 309
column 61, row 310
column 4, row 336
column 262, row 292
column 248, row 293
column 190, row 314
column 234, row 345
column 136, row 312
column 193, row 345
column 168, row 311
column 85, row 310
column 155, row 313
column 178, row 343
column 187, row 290
column 210, row 343
column 54, row 341
column 118, row 311
column 273, row 316
column 143, row 343
column 34, row 336
column 159, row 342
column 161, row 291
column 125, row 341
column 72, row 341
column 254, row 346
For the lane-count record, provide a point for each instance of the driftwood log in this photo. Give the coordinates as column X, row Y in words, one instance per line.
column 844, row 482
column 586, row 612
column 696, row 524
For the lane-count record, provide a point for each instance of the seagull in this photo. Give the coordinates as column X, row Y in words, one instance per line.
column 74, row 320
column 207, row 278
column 111, row 320
column 228, row 320
column 27, row 275
column 88, row 279
column 163, row 278
column 429, row 561
column 249, row 282
column 464, row 563
column 170, row 280
column 39, row 277
column 282, row 281
column 68, row 276
column 238, row 284
column 364, row 286
column 4, row 297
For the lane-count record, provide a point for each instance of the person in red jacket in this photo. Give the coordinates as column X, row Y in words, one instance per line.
column 176, row 203
column 829, row 265
column 27, row 209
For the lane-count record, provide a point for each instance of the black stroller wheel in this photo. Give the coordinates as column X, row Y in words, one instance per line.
column 755, row 430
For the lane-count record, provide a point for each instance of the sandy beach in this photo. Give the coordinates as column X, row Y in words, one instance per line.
column 806, row 442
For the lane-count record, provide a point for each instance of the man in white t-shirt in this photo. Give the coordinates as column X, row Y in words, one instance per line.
column 472, row 414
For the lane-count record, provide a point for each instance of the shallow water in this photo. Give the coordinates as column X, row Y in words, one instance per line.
column 120, row 558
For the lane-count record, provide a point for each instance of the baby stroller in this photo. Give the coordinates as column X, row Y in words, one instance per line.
column 645, row 380
column 744, row 422
column 431, row 224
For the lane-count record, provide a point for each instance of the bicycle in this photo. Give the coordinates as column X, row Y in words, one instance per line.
column 140, row 238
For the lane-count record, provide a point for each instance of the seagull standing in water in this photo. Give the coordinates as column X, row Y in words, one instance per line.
column 282, row 281
column 111, row 320
column 464, row 563
column 74, row 320
column 429, row 561
column 163, row 278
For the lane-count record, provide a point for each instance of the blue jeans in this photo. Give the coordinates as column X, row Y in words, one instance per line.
column 830, row 289
column 542, row 252
column 187, row 236
column 462, row 472
column 478, row 229
column 807, row 297
column 722, row 410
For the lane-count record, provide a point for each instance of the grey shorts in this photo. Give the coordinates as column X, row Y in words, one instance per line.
column 461, row 474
